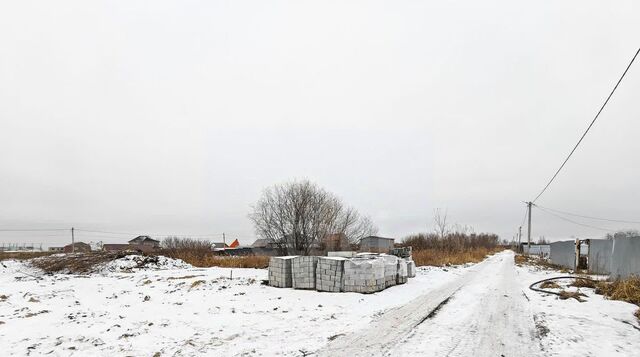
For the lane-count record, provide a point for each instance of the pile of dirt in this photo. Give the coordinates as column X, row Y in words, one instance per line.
column 104, row 262
column 138, row 262
column 77, row 263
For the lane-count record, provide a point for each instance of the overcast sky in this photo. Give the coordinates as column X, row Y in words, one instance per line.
column 172, row 116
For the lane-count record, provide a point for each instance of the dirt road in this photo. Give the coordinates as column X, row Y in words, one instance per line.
column 482, row 313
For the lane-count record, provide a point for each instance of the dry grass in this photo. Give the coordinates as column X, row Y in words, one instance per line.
column 550, row 285
column 622, row 289
column 79, row 263
column 210, row 260
column 437, row 257
column 23, row 255
column 564, row 295
column 583, row 283
column 637, row 314
column 523, row 259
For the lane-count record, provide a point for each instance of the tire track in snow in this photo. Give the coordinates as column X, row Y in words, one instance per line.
column 383, row 336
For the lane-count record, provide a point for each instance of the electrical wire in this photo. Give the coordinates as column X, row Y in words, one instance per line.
column 588, row 128
column 574, row 222
column 153, row 234
column 589, row 217
column 525, row 216
column 34, row 230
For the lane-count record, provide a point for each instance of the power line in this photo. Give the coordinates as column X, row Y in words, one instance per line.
column 589, row 217
column 34, row 230
column 525, row 216
column 574, row 222
column 153, row 234
column 588, row 128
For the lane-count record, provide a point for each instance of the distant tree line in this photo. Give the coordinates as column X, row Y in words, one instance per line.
column 451, row 237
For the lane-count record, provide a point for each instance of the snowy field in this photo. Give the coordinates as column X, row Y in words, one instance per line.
column 173, row 309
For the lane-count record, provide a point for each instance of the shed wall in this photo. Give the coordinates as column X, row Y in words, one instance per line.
column 625, row 257
column 600, row 255
column 563, row 253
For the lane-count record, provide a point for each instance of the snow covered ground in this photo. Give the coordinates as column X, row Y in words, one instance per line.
column 172, row 309
column 181, row 311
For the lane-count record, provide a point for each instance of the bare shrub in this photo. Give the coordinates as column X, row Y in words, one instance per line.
column 298, row 216
column 453, row 242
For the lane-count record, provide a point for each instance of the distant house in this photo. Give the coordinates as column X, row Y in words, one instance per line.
column 264, row 243
column 374, row 244
column 56, row 249
column 145, row 240
column 80, row 247
column 219, row 245
column 144, row 244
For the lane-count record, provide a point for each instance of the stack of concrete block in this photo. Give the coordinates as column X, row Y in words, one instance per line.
column 343, row 254
column 403, row 275
column 304, row 272
column 390, row 270
column 363, row 275
column 280, row 274
column 329, row 273
column 411, row 269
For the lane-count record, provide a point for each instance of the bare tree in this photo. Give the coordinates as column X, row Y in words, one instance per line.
column 442, row 227
column 297, row 216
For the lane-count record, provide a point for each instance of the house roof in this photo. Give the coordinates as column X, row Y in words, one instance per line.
column 219, row 245
column 78, row 244
column 261, row 243
column 376, row 237
column 142, row 239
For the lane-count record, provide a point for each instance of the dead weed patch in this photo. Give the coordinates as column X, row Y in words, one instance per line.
column 550, row 285
column 439, row 257
column 564, row 295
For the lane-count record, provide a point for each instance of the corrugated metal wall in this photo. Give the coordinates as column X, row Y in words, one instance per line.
column 625, row 257
column 563, row 254
column 600, row 255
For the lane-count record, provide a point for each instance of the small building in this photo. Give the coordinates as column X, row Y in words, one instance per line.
column 219, row 245
column 56, row 249
column 80, row 247
column 145, row 241
column 374, row 244
column 264, row 243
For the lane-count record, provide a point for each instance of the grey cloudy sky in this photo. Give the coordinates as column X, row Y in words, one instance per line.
column 172, row 116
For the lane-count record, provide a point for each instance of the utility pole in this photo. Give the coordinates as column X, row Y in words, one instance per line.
column 224, row 239
column 519, row 236
column 529, row 204
column 73, row 242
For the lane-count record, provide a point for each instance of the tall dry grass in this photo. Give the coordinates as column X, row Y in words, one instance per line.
column 439, row 257
column 23, row 255
column 621, row 289
column 453, row 249
column 199, row 253
column 211, row 260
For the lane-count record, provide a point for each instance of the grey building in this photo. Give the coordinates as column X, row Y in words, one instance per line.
column 374, row 244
